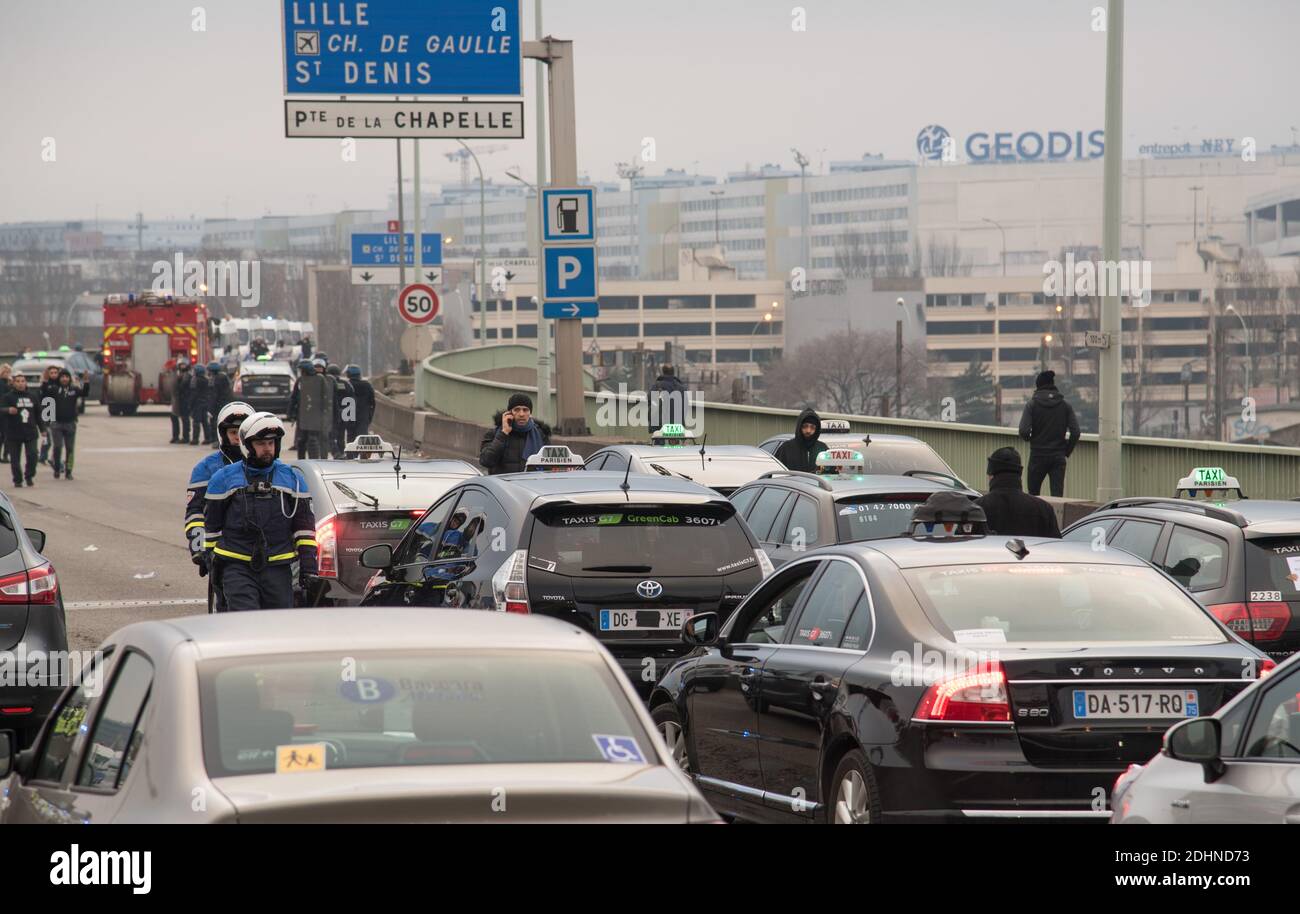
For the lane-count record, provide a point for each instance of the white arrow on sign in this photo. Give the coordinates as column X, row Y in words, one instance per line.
column 572, row 310
column 391, row 276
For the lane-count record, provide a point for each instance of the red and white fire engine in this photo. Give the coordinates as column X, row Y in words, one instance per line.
column 144, row 337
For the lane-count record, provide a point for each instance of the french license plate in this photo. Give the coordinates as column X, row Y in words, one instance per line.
column 1096, row 704
column 269, row 390
column 643, row 620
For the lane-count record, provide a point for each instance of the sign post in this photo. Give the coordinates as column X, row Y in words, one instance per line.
column 418, row 304
column 569, row 286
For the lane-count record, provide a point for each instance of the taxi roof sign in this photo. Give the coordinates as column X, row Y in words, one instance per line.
column 554, row 458
column 1208, row 480
column 839, row 460
column 368, row 446
column 835, row 425
column 672, row 432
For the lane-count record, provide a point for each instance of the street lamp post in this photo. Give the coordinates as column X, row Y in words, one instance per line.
column 802, row 161
column 542, row 407
column 1186, row 377
column 482, row 250
column 997, row 323
column 631, row 172
column 766, row 319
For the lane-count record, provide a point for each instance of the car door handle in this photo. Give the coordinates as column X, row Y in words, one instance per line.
column 820, row 686
column 748, row 674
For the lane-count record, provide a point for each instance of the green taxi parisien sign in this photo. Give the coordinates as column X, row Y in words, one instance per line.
column 1210, row 476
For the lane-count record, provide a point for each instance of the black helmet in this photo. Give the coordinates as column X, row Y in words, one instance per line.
column 353, row 372
column 334, row 370
column 260, row 427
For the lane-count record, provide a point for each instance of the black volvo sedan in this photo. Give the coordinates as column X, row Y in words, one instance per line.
column 924, row 679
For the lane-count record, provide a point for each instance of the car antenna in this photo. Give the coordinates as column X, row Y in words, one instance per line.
column 1017, row 548
column 702, row 443
column 397, row 465
column 623, row 485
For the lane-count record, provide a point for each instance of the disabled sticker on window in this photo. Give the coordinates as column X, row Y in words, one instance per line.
column 619, row 748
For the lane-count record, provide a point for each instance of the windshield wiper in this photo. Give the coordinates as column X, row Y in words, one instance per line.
column 662, row 472
column 355, row 495
column 631, row 569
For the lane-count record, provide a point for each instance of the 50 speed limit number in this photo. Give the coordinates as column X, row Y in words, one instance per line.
column 418, row 303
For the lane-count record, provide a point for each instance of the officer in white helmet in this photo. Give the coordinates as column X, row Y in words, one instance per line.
column 232, row 415
column 258, row 523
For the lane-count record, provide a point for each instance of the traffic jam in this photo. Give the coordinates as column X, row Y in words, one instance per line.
column 670, row 632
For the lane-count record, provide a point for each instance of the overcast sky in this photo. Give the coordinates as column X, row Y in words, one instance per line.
column 147, row 113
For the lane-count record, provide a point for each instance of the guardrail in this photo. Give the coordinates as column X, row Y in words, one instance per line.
column 1151, row 466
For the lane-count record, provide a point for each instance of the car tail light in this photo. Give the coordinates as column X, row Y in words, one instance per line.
column 327, row 548
column 16, row 711
column 764, row 563
column 38, row 585
column 1266, row 666
column 509, row 585
column 1254, row 621
column 979, row 694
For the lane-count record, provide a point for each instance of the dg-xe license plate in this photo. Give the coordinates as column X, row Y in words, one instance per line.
column 642, row 620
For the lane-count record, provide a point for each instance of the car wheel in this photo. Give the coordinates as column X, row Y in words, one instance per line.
column 854, row 797
column 669, row 724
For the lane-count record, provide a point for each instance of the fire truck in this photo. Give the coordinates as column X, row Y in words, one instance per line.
column 144, row 336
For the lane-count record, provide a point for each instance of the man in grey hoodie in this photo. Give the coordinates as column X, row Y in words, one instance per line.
column 1052, row 430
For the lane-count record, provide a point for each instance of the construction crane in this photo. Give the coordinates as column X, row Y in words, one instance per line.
column 463, row 156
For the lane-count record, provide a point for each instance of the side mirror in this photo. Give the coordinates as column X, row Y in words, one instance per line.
column 701, row 630
column 8, row 752
column 379, row 555
column 1197, row 740
column 38, row 539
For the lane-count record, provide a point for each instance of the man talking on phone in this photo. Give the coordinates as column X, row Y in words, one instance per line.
column 514, row 437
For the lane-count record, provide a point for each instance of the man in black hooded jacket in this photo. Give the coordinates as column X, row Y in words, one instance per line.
column 1009, row 510
column 667, row 400
column 1052, row 430
column 800, row 452
column 514, row 437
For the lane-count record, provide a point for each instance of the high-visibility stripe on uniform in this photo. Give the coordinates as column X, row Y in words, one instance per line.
column 283, row 555
column 194, row 523
column 232, row 555
column 301, row 543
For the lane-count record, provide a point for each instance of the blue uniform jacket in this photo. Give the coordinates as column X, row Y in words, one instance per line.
column 203, row 472
column 279, row 525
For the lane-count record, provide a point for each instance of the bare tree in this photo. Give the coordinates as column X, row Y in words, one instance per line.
column 849, row 372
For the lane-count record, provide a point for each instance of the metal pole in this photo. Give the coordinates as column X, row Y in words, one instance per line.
column 401, row 220
column 898, row 370
column 1110, row 382
column 542, row 408
column 997, row 339
column 482, row 254
column 571, row 418
column 419, row 239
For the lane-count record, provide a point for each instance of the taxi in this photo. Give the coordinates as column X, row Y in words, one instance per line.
column 791, row 512
column 1238, row 557
column 722, row 468
column 374, row 496
column 882, row 454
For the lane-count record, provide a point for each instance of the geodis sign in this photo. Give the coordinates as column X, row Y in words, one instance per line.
column 936, row 144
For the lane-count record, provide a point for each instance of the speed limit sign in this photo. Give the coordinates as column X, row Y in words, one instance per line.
column 418, row 303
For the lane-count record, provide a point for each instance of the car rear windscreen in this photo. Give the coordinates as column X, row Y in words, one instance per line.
column 676, row 540
column 1273, row 564
column 1063, row 604
column 894, row 458
column 482, row 707
column 866, row 517
column 414, row 491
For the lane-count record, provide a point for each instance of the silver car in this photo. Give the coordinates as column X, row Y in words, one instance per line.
column 342, row 715
column 724, row 468
column 1238, row 766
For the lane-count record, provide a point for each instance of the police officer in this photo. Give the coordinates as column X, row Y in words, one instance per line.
column 344, row 402
column 200, row 391
column 220, row 396
column 232, row 415
column 312, row 406
column 363, row 393
column 258, row 523
column 180, row 402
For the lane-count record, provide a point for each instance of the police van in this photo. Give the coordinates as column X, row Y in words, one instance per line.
column 1238, row 556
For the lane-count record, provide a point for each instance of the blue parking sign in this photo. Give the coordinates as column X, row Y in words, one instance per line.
column 570, row 273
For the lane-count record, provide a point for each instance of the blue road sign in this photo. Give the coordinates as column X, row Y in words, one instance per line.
column 569, row 215
column 396, row 47
column 570, row 273
column 560, row 310
column 382, row 250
